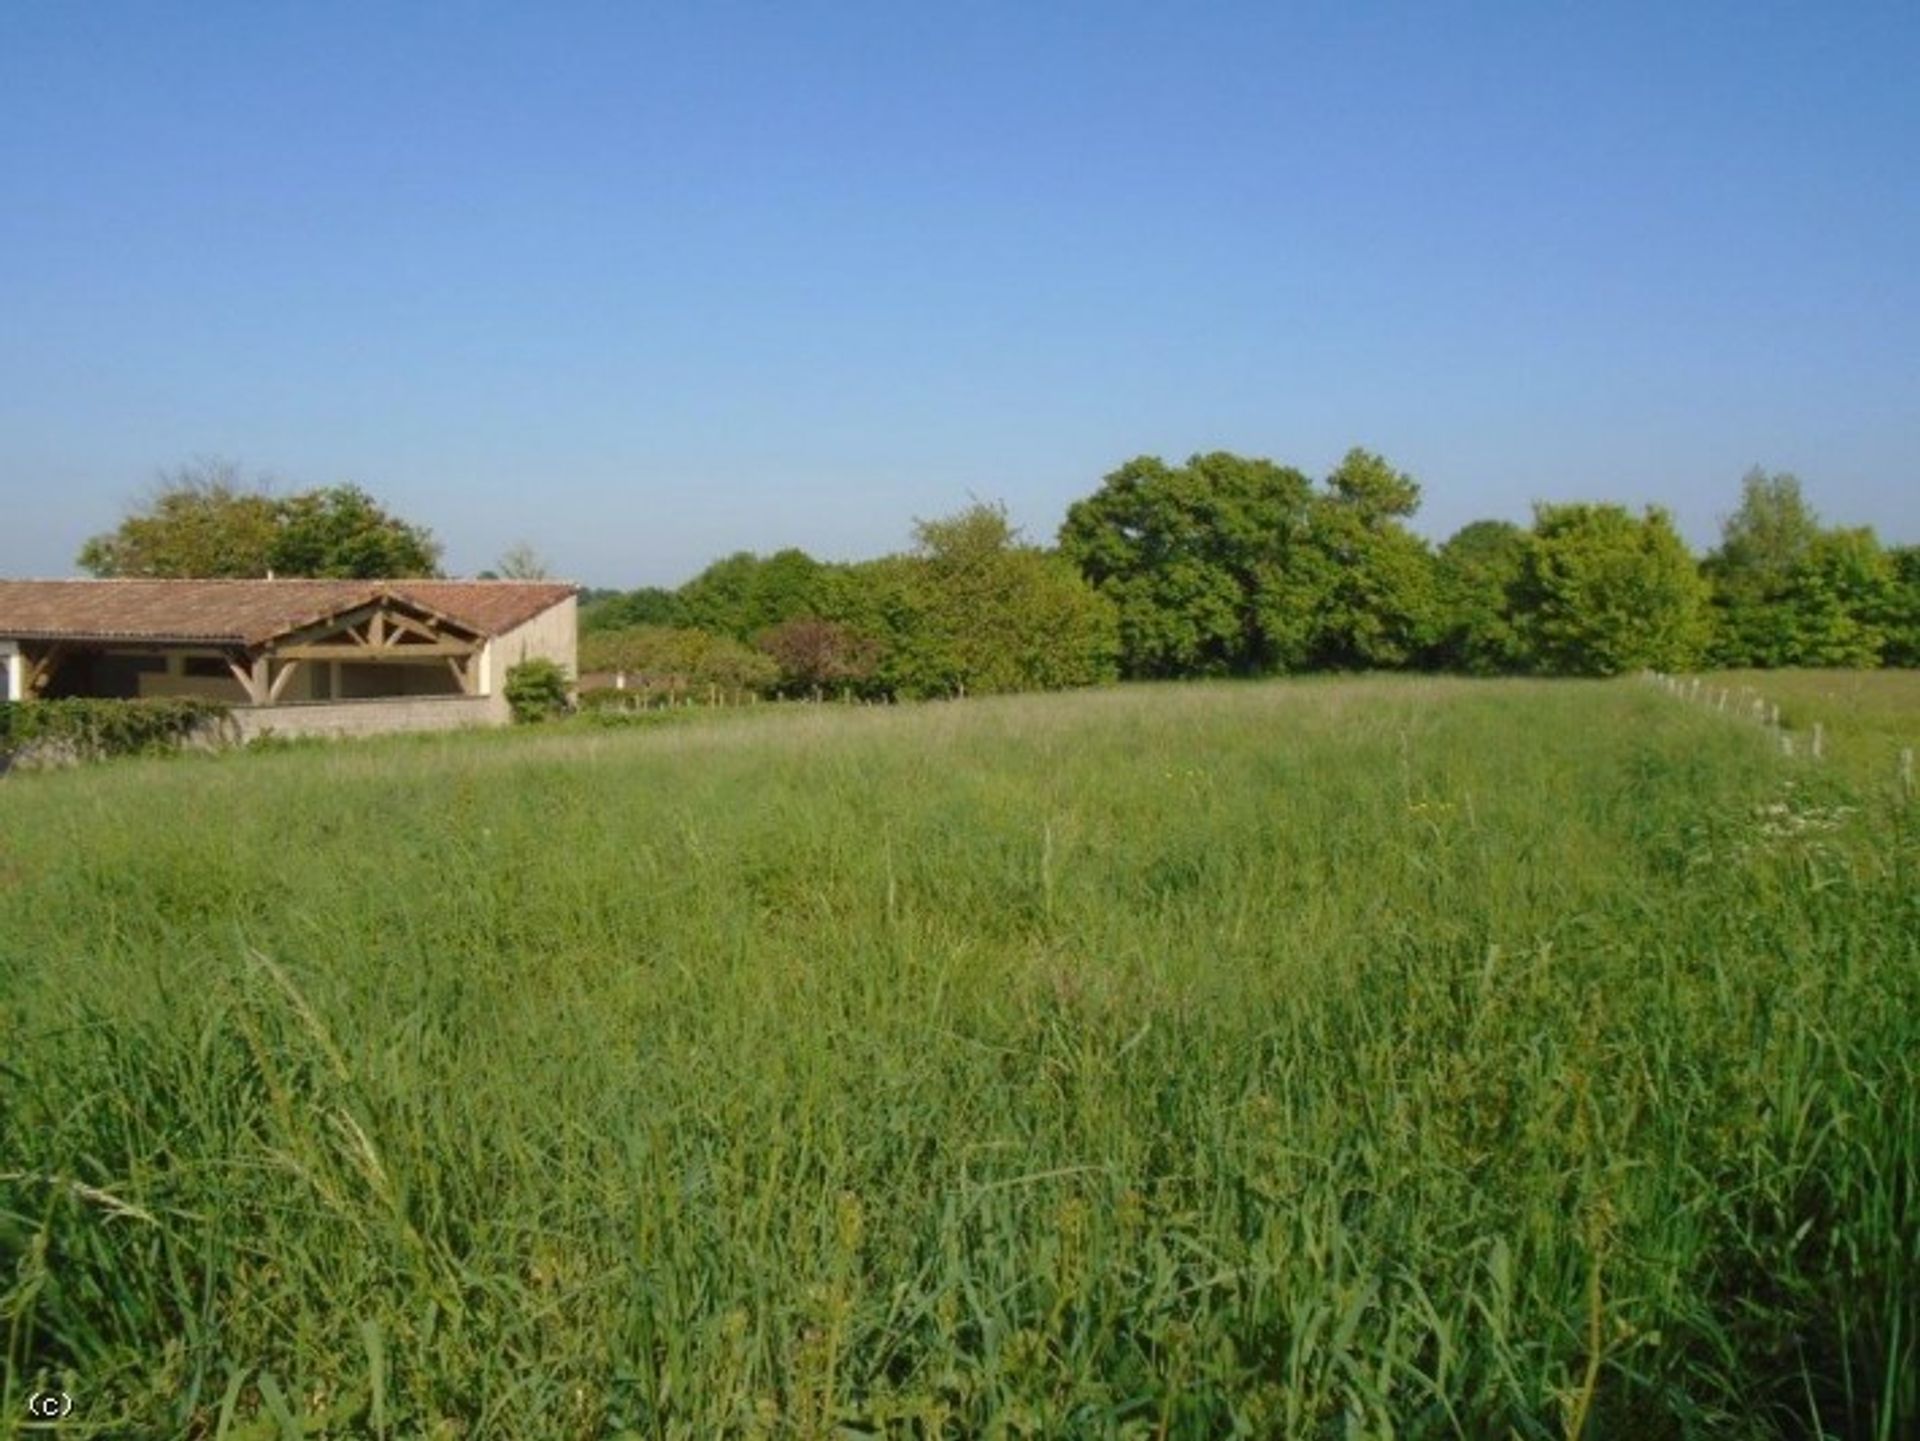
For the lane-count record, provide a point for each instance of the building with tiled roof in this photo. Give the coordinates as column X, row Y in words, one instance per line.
column 297, row 648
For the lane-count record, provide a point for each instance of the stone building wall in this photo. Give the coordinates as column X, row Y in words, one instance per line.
column 370, row 717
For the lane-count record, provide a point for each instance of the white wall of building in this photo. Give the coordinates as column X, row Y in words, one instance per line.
column 553, row 634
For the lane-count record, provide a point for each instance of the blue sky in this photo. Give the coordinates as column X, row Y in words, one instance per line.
column 643, row 284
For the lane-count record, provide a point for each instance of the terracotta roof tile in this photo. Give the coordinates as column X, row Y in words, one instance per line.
column 247, row 612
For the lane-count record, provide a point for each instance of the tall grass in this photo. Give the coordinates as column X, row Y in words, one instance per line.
column 1407, row 1058
column 1872, row 715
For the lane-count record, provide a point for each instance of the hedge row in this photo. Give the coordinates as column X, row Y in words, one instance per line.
column 83, row 729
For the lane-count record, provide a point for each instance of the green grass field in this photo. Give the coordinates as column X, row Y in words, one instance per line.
column 1872, row 715
column 1330, row 1058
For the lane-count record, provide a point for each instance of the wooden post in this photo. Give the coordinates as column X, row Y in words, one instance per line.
column 40, row 669
column 260, row 680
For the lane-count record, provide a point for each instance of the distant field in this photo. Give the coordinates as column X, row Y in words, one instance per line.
column 1334, row 1058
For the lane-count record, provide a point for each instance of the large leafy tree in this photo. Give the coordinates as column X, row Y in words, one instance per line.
column 743, row 594
column 1771, row 531
column 1205, row 563
column 1787, row 591
column 1005, row 616
column 1900, row 623
column 1476, row 575
column 1603, row 591
column 617, row 610
column 974, row 610
column 1763, row 544
column 1837, row 599
column 341, row 531
column 1368, row 581
column 820, row 656
column 1230, row 565
column 208, row 520
column 200, row 520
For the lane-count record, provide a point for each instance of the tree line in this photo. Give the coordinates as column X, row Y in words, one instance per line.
column 1226, row 565
column 1237, row 566
column 970, row 609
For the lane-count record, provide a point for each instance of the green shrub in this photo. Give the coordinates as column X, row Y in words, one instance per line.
column 83, row 729
column 536, row 690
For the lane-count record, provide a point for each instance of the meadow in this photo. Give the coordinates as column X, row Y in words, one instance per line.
column 1367, row 1057
column 1874, row 715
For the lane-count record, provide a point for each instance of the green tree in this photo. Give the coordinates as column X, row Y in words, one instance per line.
column 1787, row 591
column 1370, row 583
column 649, row 605
column 1771, row 531
column 890, row 604
column 1763, row 544
column 973, row 610
column 205, row 519
column 1206, row 564
column 341, row 531
column 1476, row 575
column 997, row 615
column 1900, row 623
column 1602, row 592
column 1836, row 600
column 1368, row 487
column 743, row 594
column 820, row 656
column 1229, row 565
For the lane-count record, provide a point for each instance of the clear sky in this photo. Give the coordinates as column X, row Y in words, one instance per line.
column 646, row 283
